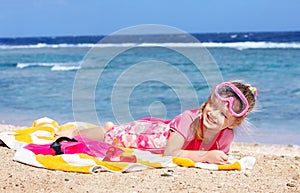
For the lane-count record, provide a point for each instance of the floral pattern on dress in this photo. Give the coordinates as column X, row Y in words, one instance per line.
column 144, row 135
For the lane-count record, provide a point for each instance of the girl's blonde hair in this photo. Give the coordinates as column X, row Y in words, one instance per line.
column 246, row 89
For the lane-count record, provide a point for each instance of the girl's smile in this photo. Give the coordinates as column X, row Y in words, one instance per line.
column 210, row 119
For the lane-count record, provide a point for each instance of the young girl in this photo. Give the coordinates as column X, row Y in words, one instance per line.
column 202, row 135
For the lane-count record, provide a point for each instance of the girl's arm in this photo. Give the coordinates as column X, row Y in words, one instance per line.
column 175, row 143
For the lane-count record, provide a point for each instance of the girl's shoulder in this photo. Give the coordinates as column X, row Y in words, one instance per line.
column 192, row 112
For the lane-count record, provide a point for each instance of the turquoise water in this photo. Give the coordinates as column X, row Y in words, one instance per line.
column 39, row 81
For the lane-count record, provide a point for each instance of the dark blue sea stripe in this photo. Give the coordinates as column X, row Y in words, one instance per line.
column 170, row 38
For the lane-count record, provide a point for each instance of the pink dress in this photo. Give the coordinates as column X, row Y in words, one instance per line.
column 181, row 125
column 152, row 134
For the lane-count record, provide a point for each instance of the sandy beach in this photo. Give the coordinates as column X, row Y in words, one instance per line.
column 277, row 170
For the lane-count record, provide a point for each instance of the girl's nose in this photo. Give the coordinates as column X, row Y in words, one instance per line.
column 213, row 113
column 216, row 115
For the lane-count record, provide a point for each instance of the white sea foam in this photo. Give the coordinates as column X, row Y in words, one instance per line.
column 64, row 68
column 25, row 65
column 236, row 45
column 56, row 66
column 42, row 45
column 248, row 45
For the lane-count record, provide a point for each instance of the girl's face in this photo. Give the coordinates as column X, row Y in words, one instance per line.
column 216, row 116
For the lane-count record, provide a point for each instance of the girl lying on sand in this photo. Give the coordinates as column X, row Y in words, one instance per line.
column 202, row 135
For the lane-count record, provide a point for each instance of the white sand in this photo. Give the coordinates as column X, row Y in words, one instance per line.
column 277, row 170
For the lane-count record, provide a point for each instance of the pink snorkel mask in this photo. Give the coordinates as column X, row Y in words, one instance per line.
column 237, row 103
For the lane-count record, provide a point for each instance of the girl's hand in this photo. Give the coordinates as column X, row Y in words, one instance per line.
column 215, row 157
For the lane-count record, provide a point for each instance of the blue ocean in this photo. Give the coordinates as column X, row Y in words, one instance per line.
column 134, row 76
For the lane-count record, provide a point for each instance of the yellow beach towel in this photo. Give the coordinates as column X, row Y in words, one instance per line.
column 43, row 130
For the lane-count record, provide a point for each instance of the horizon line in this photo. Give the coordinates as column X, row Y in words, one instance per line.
column 192, row 33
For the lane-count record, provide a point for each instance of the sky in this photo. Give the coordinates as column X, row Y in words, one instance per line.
column 32, row 18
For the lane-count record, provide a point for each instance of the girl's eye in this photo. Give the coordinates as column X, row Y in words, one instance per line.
column 223, row 114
